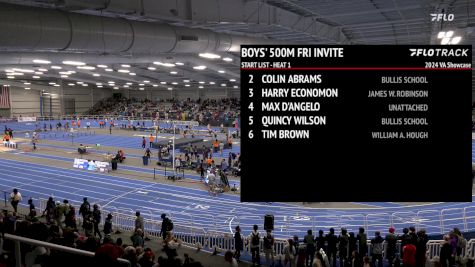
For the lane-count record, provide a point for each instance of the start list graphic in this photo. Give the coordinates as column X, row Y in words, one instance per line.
column 356, row 123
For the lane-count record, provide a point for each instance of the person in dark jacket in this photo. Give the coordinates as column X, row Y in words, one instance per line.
column 377, row 249
column 343, row 241
column 362, row 239
column 446, row 253
column 391, row 248
column 309, row 239
column 166, row 225
column 421, row 248
column 332, row 241
column 85, row 208
column 96, row 218
column 405, row 238
column 108, row 225
column 321, row 241
column 351, row 244
column 238, row 244
column 413, row 234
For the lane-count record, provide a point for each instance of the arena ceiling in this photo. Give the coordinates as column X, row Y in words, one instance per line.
column 155, row 44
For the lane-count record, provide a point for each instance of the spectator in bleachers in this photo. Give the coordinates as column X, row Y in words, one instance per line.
column 49, row 210
column 96, row 218
column 269, row 247
column 332, row 241
column 309, row 240
column 320, row 241
column 409, row 259
column 15, row 198
column 108, row 225
column 32, row 211
column 137, row 238
column 228, row 257
column 447, row 253
column 343, row 241
column 377, row 250
column 238, row 243
column 254, row 241
column 391, row 247
column 461, row 241
column 289, row 253
column 421, row 248
column 405, row 239
column 85, row 208
column 351, row 244
column 318, row 261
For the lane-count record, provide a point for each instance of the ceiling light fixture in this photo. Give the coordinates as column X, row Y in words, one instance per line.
column 232, row 80
column 43, row 70
column 71, row 84
column 129, row 83
column 132, row 74
column 141, row 84
column 26, row 83
column 125, row 66
column 102, row 66
column 209, row 55
column 73, row 63
column 151, row 68
column 235, row 87
column 56, row 67
column 187, row 85
column 201, row 87
column 201, row 82
column 52, row 83
column 125, row 86
column 169, row 88
column 56, row 85
column 448, row 38
column 36, row 77
column 41, row 61
column 146, row 81
column 24, row 70
column 174, row 83
column 38, row 72
column 79, row 82
column 155, row 85
column 201, row 67
column 109, row 70
column 27, row 88
column 99, row 86
column 141, row 88
column 173, row 72
column 123, row 71
column 163, row 82
column 86, row 67
column 223, row 84
column 11, row 77
column 96, row 75
column 179, row 63
column 116, row 88
column 221, row 71
column 212, row 83
column 64, row 76
column 227, row 59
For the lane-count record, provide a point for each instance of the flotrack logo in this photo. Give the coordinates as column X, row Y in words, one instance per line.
column 438, row 52
column 442, row 17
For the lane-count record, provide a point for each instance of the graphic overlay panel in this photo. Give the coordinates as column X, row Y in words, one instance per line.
column 355, row 123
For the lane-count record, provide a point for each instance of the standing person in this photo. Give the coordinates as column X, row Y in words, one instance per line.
column 269, row 248
column 332, row 240
column 96, row 218
column 50, row 127
column 377, row 250
column 289, row 253
column 309, row 239
column 108, row 225
column 110, row 129
column 151, row 139
column 15, row 198
column 221, row 148
column 351, row 245
column 409, row 259
column 10, row 133
column 391, row 248
column 32, row 213
column 144, row 142
column 85, row 208
column 202, row 170
column 167, row 226
column 88, row 125
column 343, row 241
column 421, row 248
column 138, row 221
column 254, row 240
column 238, row 243
column 320, row 240
column 362, row 243
column 49, row 210
column 446, row 253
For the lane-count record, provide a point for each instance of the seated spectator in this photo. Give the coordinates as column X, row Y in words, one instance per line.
column 137, row 238
column 82, row 149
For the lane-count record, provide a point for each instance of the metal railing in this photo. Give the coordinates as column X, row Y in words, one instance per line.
column 17, row 240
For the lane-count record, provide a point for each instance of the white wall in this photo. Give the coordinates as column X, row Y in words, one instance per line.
column 85, row 97
column 25, row 102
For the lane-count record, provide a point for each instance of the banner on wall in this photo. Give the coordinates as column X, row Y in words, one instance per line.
column 91, row 165
column 26, row 119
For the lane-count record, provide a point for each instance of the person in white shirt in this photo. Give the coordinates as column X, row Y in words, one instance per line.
column 177, row 164
column 15, row 198
column 88, row 124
